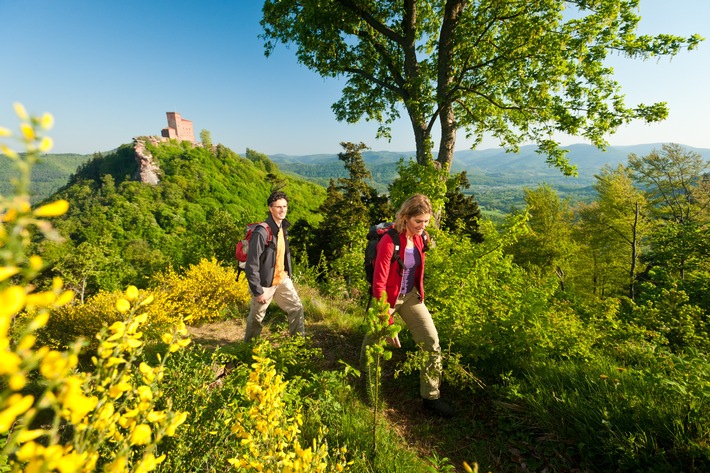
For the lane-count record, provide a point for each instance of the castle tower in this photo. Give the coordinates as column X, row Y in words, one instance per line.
column 178, row 128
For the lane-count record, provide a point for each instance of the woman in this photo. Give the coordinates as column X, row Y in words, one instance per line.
column 403, row 281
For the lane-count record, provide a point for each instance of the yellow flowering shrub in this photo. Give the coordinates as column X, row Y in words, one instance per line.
column 107, row 418
column 206, row 292
column 72, row 321
column 268, row 434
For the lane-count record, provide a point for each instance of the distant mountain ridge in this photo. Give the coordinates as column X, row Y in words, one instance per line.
column 526, row 165
column 497, row 178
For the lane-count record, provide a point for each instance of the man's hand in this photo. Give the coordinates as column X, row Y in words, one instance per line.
column 394, row 341
column 261, row 299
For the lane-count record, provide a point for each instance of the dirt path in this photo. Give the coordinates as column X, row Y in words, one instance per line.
column 404, row 413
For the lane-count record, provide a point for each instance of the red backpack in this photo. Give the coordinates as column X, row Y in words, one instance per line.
column 242, row 249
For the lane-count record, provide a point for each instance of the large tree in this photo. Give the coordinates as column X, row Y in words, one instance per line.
column 548, row 248
column 675, row 182
column 615, row 225
column 521, row 70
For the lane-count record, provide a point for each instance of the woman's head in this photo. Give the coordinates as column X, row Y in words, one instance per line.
column 414, row 214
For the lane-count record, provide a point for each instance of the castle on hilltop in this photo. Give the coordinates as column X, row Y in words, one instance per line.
column 178, row 128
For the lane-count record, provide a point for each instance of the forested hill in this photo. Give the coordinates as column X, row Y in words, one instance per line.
column 119, row 230
column 49, row 174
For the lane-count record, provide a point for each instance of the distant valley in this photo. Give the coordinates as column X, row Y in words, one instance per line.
column 497, row 178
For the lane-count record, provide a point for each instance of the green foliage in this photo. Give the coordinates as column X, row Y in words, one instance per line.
column 206, row 138
column 378, row 330
column 461, row 212
column 548, row 248
column 122, row 231
column 420, row 58
column 428, row 179
column 650, row 418
column 669, row 313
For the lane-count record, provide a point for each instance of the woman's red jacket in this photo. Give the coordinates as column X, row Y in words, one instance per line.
column 388, row 274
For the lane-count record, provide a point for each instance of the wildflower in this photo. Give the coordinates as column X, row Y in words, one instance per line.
column 17, row 381
column 20, row 111
column 12, row 154
column 141, row 435
column 39, row 321
column 55, row 365
column 55, row 209
column 12, row 300
column 118, row 329
column 117, row 466
column 47, row 121
column 147, row 372
column 145, row 393
column 147, row 300
column 132, row 293
column 27, row 131
column 8, row 271
column 5, row 132
column 603, row 376
column 28, row 435
column 64, row 298
column 149, row 463
column 156, row 416
column 469, row 469
column 175, row 423
column 76, row 404
column 70, row 462
column 9, row 362
column 46, row 144
column 40, row 299
column 26, row 343
column 17, row 405
column 119, row 388
column 123, row 306
column 35, row 262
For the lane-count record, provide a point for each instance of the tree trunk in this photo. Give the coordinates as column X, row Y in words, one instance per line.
column 634, row 254
column 422, row 139
column 445, row 82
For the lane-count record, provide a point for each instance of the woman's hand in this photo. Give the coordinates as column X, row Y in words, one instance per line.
column 394, row 341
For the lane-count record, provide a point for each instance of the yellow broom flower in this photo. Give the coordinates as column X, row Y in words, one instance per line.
column 55, row 209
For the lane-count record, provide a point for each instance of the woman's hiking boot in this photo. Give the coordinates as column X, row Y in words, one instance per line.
column 439, row 408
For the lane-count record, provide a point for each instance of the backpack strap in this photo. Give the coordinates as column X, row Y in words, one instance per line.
column 269, row 235
column 397, row 253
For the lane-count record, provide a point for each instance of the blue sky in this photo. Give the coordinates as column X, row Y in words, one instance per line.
column 109, row 70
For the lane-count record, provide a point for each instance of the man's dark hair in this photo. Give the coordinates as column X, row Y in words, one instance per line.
column 276, row 196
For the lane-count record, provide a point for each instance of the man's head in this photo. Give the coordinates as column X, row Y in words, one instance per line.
column 278, row 205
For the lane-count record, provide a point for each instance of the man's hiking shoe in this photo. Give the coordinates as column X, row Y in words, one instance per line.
column 439, row 408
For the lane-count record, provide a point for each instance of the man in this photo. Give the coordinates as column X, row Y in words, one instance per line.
column 268, row 270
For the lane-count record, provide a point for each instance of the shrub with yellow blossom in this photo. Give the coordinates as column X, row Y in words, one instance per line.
column 106, row 418
column 75, row 320
column 206, row 292
column 268, row 434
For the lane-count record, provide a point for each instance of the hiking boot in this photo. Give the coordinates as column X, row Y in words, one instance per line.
column 439, row 408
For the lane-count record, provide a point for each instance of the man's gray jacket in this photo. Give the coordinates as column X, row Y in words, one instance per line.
column 261, row 258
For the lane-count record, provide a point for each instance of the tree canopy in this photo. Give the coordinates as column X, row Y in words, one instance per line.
column 520, row 70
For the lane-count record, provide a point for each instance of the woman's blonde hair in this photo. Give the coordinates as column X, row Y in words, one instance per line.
column 418, row 204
